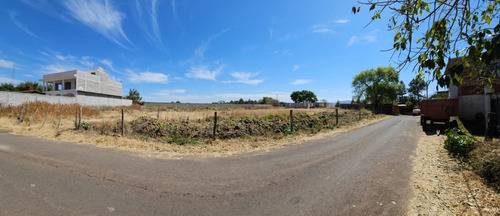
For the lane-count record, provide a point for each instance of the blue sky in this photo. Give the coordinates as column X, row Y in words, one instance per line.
column 197, row 51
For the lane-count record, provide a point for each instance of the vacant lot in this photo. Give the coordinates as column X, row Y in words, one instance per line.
column 180, row 131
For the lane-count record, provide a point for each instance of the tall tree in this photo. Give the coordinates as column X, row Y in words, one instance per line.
column 7, row 87
column 431, row 31
column 416, row 86
column 303, row 96
column 377, row 86
column 134, row 95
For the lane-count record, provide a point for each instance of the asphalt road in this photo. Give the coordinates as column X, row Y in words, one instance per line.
column 361, row 172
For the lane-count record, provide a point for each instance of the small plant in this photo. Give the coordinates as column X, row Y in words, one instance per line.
column 458, row 144
column 86, row 126
column 289, row 131
column 181, row 140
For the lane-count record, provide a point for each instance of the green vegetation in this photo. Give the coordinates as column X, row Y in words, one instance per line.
column 23, row 86
column 459, row 144
column 429, row 32
column 377, row 86
column 134, row 95
column 304, row 96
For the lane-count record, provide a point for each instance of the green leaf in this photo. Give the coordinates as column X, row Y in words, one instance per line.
column 373, row 6
column 488, row 19
column 354, row 10
column 397, row 36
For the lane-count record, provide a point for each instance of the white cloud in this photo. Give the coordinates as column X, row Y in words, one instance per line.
column 340, row 21
column 202, row 72
column 323, row 30
column 7, row 64
column 9, row 80
column 13, row 17
column 169, row 92
column 148, row 20
column 57, row 67
column 370, row 37
column 296, row 67
column 200, row 51
column 352, row 40
column 101, row 16
column 301, row 81
column 245, row 78
column 282, row 52
column 146, row 77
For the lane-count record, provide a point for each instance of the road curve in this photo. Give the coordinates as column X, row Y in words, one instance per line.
column 361, row 172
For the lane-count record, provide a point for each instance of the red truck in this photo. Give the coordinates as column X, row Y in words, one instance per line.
column 439, row 113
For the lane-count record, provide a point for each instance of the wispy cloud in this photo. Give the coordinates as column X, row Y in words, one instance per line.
column 246, row 78
column 301, row 82
column 202, row 72
column 340, row 21
column 48, row 7
column 200, row 51
column 9, row 80
column 147, row 17
column 13, row 17
column 7, row 64
column 174, row 10
column 169, row 92
column 146, row 77
column 282, row 52
column 296, row 67
column 323, row 30
column 101, row 16
column 368, row 38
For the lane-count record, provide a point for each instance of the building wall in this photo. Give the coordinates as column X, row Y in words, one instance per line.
column 16, row 99
column 471, row 105
column 99, row 83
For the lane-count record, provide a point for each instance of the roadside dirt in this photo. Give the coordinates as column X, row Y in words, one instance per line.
column 443, row 186
column 218, row 148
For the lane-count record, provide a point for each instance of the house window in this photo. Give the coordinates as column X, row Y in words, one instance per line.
column 67, row 85
column 93, row 73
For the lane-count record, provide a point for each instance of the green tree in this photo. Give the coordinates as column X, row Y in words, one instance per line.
column 28, row 85
column 7, row 87
column 134, row 95
column 303, row 96
column 416, row 86
column 377, row 86
column 430, row 31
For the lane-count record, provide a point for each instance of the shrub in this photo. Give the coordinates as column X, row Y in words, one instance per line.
column 458, row 144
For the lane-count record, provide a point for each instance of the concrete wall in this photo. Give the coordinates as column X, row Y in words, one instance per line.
column 471, row 105
column 16, row 99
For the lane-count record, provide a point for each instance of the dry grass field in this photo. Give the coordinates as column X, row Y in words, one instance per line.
column 174, row 132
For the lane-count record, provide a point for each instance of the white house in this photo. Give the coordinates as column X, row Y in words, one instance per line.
column 71, row 83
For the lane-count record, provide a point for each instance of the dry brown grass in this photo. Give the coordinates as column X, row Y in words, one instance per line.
column 66, row 132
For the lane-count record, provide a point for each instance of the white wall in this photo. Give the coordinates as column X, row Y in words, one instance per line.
column 16, row 99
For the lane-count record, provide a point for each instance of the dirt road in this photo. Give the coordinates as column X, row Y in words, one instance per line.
column 361, row 172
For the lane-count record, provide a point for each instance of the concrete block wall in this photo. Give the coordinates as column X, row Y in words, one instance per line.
column 470, row 106
column 16, row 99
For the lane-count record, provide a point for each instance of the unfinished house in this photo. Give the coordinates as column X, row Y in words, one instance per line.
column 475, row 97
column 94, row 83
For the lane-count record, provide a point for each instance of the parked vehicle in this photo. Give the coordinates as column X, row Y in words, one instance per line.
column 416, row 112
column 438, row 114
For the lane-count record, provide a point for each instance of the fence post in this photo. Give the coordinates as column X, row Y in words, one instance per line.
column 19, row 119
column 123, row 125
column 215, row 125
column 45, row 119
column 158, row 114
column 291, row 120
column 76, row 118
column 60, row 113
column 336, row 116
column 80, row 117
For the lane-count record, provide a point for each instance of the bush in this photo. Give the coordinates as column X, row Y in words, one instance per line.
column 458, row 144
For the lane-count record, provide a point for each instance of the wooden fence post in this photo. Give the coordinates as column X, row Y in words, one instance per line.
column 123, row 125
column 359, row 112
column 76, row 118
column 158, row 114
column 46, row 115
column 33, row 117
column 80, row 117
column 336, row 116
column 215, row 125
column 291, row 120
column 60, row 113
column 19, row 119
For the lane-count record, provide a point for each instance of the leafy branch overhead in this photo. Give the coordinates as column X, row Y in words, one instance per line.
column 429, row 32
